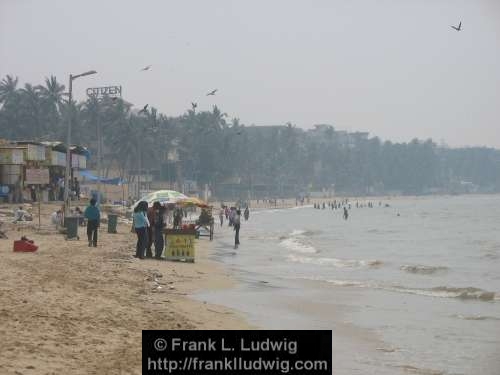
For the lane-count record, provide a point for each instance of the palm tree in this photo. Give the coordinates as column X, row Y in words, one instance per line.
column 8, row 87
column 53, row 104
column 31, row 105
column 52, row 92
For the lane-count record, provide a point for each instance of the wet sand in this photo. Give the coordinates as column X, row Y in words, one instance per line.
column 68, row 308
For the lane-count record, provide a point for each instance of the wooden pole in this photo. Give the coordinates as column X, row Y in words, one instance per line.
column 39, row 206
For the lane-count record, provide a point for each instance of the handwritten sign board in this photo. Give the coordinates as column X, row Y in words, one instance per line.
column 36, row 176
column 180, row 245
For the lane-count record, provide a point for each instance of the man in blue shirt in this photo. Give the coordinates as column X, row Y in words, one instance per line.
column 93, row 217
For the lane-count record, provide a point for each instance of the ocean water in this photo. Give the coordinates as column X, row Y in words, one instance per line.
column 417, row 293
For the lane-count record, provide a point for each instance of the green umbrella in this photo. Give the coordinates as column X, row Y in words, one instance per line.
column 162, row 196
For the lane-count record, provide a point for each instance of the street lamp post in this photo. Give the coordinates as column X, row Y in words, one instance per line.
column 67, row 173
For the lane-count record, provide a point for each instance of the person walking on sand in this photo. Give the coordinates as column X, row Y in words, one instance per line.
column 346, row 213
column 141, row 224
column 246, row 214
column 236, row 225
column 93, row 217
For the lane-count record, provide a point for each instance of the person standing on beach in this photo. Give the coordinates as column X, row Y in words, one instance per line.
column 246, row 214
column 346, row 213
column 93, row 217
column 236, row 225
column 141, row 224
column 158, row 225
column 76, row 185
column 221, row 216
column 150, row 215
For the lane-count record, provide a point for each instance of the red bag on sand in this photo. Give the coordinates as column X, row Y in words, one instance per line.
column 25, row 246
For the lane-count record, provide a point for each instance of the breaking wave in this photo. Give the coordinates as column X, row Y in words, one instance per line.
column 341, row 263
column 424, row 270
column 298, row 246
column 467, row 293
column 474, row 317
column 297, row 241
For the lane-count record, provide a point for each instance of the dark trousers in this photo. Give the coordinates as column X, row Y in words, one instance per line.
column 159, row 242
column 92, row 226
column 149, row 253
column 142, row 241
column 237, row 234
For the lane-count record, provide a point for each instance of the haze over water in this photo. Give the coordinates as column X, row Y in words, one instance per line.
column 418, row 292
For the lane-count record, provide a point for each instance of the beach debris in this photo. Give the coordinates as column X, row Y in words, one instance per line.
column 146, row 68
column 219, row 312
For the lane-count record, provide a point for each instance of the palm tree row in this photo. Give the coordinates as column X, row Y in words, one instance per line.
column 208, row 147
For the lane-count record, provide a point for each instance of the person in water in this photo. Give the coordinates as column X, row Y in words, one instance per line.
column 236, row 226
column 221, row 216
column 346, row 213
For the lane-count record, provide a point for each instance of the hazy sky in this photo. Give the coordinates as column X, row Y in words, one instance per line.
column 393, row 68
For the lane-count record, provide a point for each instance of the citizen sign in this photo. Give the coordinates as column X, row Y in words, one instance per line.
column 112, row 91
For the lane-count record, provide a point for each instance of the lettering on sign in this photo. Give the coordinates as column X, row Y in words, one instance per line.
column 35, row 176
column 100, row 92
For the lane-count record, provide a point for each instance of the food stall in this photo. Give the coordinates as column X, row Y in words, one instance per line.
column 181, row 241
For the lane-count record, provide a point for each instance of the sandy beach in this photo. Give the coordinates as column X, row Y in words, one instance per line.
column 68, row 308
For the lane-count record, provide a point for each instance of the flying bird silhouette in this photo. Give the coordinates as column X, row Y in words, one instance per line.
column 457, row 28
column 194, row 105
column 212, row 92
column 146, row 68
column 144, row 110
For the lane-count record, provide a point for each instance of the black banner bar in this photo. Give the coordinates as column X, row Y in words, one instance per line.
column 237, row 352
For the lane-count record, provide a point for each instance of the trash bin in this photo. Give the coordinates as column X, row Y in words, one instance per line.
column 112, row 221
column 71, row 224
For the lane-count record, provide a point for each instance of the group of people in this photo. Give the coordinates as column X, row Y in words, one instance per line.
column 230, row 214
column 148, row 224
column 58, row 189
column 55, row 190
column 345, row 205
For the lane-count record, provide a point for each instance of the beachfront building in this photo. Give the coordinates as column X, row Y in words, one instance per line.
column 19, row 158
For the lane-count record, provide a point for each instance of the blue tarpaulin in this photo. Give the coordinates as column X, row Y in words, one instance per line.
column 109, row 181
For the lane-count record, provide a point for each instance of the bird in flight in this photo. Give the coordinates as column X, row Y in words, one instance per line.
column 212, row 92
column 194, row 105
column 146, row 68
column 457, row 28
column 144, row 110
